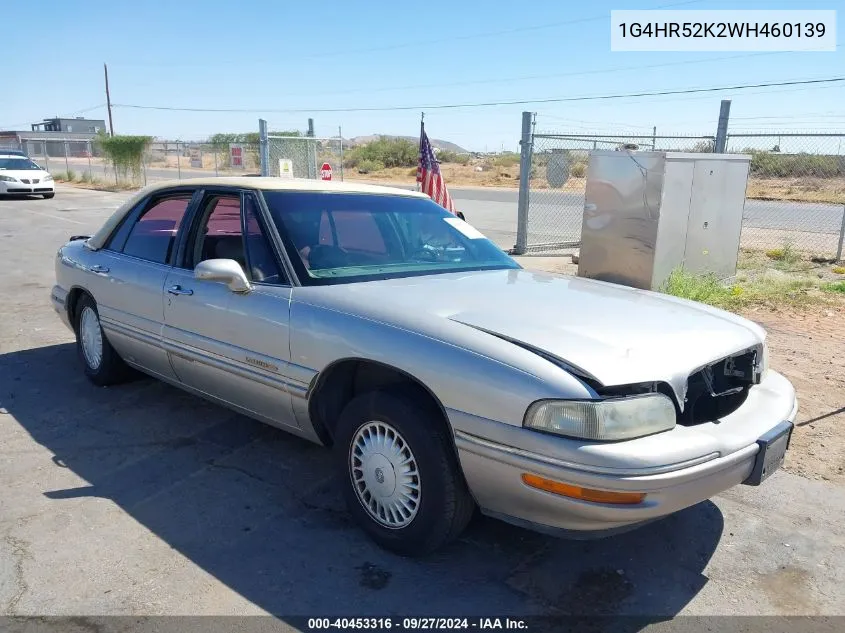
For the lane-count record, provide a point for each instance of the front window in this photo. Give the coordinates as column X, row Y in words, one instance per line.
column 22, row 164
column 341, row 238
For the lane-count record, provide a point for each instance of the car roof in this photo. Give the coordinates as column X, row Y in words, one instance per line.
column 283, row 184
column 263, row 183
column 13, row 154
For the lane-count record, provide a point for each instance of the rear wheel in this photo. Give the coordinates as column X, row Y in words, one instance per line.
column 47, row 196
column 400, row 477
column 102, row 364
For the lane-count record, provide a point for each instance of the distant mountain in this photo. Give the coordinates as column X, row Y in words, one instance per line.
column 436, row 142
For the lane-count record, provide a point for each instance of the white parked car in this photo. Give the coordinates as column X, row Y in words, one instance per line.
column 20, row 175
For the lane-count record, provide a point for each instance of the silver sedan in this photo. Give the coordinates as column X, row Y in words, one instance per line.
column 445, row 376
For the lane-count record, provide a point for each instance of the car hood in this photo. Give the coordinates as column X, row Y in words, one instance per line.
column 613, row 334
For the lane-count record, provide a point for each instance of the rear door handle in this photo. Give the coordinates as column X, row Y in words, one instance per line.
column 179, row 290
column 99, row 269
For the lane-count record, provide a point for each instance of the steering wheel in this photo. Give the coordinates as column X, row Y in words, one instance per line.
column 424, row 254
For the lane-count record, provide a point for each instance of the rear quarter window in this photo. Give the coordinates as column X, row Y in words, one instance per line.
column 153, row 235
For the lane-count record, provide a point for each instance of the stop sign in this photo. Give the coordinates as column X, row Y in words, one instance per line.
column 326, row 171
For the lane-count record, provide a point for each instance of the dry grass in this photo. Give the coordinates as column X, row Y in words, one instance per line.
column 85, row 181
column 789, row 280
column 830, row 190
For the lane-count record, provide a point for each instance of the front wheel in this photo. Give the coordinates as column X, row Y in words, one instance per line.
column 400, row 477
column 47, row 196
column 102, row 364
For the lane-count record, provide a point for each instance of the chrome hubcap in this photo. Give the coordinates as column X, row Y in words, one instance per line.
column 384, row 474
column 91, row 337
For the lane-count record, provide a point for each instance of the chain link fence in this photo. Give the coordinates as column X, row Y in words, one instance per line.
column 795, row 194
column 558, row 179
column 796, row 191
column 305, row 157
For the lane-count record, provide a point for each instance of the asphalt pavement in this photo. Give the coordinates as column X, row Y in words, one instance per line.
column 140, row 499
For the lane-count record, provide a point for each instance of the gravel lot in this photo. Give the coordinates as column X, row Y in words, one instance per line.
column 143, row 500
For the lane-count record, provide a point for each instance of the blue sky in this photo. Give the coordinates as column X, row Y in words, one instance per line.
column 273, row 55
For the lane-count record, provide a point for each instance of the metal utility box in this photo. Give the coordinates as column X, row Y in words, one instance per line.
column 647, row 213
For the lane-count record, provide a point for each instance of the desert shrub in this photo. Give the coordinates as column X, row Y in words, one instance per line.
column 506, row 159
column 124, row 152
column 448, row 156
column 702, row 147
column 785, row 254
column 836, row 286
column 368, row 166
column 390, row 152
column 578, row 170
column 771, row 165
column 839, row 270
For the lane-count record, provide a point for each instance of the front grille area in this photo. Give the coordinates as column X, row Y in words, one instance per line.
column 25, row 181
column 719, row 389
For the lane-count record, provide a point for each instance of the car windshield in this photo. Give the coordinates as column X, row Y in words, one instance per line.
column 17, row 164
column 342, row 238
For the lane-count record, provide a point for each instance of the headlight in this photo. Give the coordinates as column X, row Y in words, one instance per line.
column 7, row 178
column 46, row 178
column 612, row 419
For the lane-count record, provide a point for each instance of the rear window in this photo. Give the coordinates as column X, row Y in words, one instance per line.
column 154, row 233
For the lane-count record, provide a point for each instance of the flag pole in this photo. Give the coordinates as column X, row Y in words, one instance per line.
column 422, row 131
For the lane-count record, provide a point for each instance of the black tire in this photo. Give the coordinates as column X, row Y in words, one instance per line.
column 47, row 196
column 111, row 370
column 445, row 504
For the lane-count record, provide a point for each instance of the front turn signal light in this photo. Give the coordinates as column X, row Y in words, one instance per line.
column 583, row 494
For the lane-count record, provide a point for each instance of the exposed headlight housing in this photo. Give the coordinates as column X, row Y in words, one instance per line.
column 603, row 420
column 46, row 178
column 7, row 178
column 763, row 366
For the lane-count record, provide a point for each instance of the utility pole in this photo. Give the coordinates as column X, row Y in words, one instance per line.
column 108, row 100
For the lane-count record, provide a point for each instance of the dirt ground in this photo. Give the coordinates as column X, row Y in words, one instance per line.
column 808, row 347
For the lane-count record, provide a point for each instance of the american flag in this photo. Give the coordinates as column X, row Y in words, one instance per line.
column 429, row 176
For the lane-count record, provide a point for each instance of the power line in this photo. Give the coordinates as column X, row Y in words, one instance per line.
column 484, row 104
column 577, row 73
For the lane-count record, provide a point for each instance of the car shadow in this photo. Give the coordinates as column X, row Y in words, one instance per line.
column 259, row 510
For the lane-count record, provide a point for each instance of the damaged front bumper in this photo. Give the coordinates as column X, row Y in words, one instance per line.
column 494, row 460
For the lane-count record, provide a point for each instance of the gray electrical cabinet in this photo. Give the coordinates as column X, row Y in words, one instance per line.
column 647, row 213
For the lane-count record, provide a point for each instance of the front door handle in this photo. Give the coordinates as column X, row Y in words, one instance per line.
column 179, row 290
column 99, row 269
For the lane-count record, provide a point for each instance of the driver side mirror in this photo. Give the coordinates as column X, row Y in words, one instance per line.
column 226, row 270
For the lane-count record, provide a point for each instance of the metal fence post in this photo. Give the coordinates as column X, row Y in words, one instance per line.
column 841, row 236
column 264, row 147
column 178, row 162
column 67, row 165
column 89, row 149
column 524, row 185
column 340, row 136
column 722, row 129
column 214, row 151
